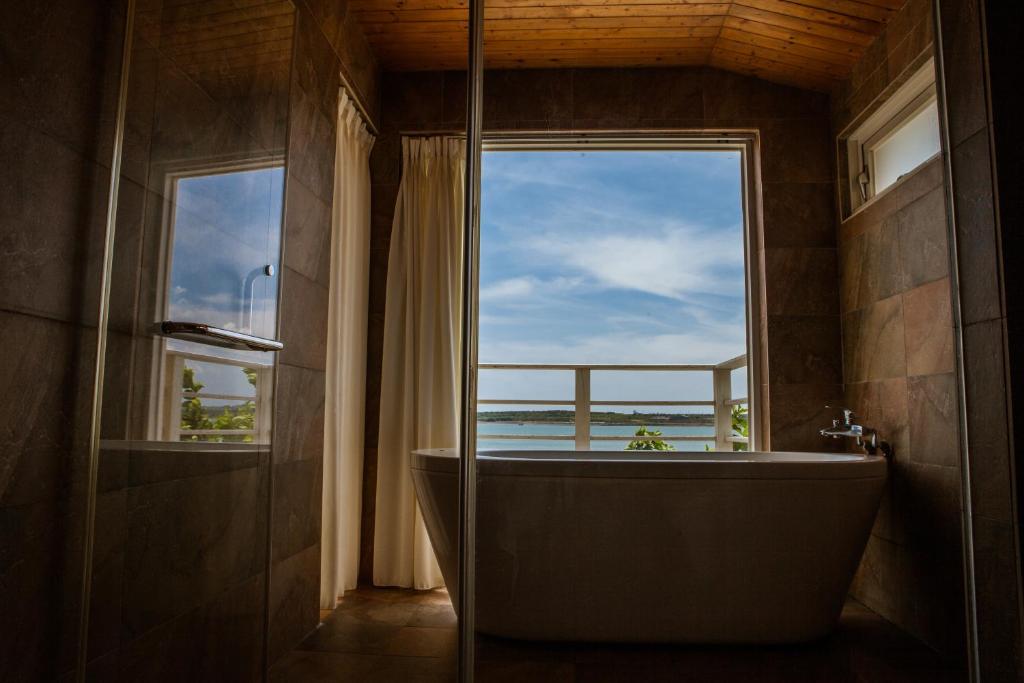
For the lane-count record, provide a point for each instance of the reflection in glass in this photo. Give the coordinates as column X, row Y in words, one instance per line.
column 226, row 240
column 223, row 260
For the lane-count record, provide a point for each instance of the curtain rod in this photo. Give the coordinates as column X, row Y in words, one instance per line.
column 451, row 132
column 353, row 95
column 588, row 135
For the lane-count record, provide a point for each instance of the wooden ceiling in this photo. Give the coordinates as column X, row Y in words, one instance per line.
column 809, row 43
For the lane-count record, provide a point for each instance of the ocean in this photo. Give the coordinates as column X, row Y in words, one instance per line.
column 484, row 429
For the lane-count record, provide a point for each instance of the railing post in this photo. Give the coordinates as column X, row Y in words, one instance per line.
column 581, row 419
column 722, row 380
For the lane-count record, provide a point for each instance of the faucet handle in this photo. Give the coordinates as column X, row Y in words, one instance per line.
column 848, row 414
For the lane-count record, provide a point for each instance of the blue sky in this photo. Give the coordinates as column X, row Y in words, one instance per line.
column 225, row 226
column 610, row 257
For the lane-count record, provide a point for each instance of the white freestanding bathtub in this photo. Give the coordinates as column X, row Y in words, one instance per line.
column 678, row 547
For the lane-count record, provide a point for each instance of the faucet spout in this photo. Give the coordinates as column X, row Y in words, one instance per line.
column 866, row 437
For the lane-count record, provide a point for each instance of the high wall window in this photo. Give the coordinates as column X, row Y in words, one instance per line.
column 897, row 138
column 222, row 256
column 613, row 299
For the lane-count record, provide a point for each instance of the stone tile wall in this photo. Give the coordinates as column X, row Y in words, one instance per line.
column 898, row 359
column 189, row 545
column 981, row 57
column 328, row 43
column 58, row 73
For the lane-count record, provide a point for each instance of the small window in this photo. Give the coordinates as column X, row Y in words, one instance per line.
column 898, row 138
column 223, row 251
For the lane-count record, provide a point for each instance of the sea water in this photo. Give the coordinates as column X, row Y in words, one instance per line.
column 485, row 429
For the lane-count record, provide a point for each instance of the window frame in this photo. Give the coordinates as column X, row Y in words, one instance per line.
column 909, row 100
column 167, row 394
column 748, row 143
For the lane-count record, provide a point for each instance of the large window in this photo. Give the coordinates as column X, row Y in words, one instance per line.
column 613, row 299
column 895, row 140
column 222, row 257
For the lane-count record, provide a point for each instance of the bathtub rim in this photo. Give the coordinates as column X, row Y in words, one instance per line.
column 781, row 465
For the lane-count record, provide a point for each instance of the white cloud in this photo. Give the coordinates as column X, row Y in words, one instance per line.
column 523, row 289
column 513, row 288
column 696, row 346
column 677, row 263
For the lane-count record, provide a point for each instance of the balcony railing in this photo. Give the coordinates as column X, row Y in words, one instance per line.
column 175, row 396
column 722, row 401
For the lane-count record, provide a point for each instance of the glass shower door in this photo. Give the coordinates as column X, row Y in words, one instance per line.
column 181, row 535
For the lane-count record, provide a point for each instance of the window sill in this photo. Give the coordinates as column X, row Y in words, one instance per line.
column 863, row 206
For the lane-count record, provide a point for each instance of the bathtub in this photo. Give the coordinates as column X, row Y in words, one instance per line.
column 679, row 547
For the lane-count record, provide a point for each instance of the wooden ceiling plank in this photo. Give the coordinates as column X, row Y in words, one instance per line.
column 782, row 57
column 853, row 8
column 527, row 43
column 798, row 37
column 846, row 60
column 779, row 73
column 802, row 25
column 567, row 12
column 821, row 16
column 528, row 49
column 711, row 22
column 557, row 62
column 401, row 5
column 499, row 36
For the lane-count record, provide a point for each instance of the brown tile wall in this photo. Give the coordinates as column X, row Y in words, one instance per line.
column 981, row 58
column 798, row 249
column 180, row 565
column 182, row 561
column 898, row 361
column 58, row 74
column 327, row 43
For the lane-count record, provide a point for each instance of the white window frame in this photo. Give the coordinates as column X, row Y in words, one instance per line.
column 747, row 144
column 168, row 394
column 909, row 100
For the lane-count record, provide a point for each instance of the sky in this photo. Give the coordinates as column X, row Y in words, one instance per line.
column 226, row 225
column 610, row 257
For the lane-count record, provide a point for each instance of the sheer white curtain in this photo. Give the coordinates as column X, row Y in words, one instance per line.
column 346, row 357
column 419, row 399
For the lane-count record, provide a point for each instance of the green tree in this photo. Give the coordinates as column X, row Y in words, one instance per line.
column 740, row 426
column 648, row 444
column 194, row 415
column 740, row 420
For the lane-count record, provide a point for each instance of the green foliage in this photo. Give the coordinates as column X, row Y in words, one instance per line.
column 740, row 426
column 649, row 444
column 194, row 415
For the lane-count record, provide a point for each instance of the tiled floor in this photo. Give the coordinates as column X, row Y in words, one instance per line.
column 390, row 635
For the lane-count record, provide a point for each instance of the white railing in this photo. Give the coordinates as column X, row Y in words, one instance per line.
column 175, row 395
column 722, row 401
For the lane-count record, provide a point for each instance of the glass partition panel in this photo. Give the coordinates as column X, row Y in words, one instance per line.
column 179, row 568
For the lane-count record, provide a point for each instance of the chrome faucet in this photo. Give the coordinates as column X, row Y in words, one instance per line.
column 867, row 438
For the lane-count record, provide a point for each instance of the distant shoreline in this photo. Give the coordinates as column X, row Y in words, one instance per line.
column 702, row 423
column 603, row 418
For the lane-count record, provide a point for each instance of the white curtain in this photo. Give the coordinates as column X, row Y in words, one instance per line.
column 346, row 357
column 419, row 399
